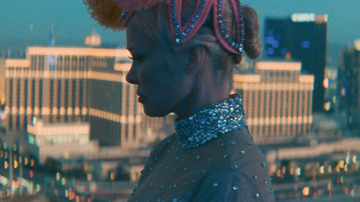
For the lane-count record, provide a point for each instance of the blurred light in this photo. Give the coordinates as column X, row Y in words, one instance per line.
column 283, row 170
column 58, row 176
column 298, row 171
column 342, row 179
column 66, row 193
column 354, row 159
column 305, row 44
column 303, row 17
column 326, row 83
column 334, row 99
column 112, row 176
column 38, row 188
column 306, row 191
column 6, row 165
column 329, row 186
column 26, row 160
column 89, row 177
column 272, row 169
column 63, row 181
column 338, row 168
column 321, row 18
column 322, row 169
column 291, row 171
column 32, row 162
column 357, row 44
column 348, row 159
column 346, row 167
column 16, row 164
column 329, row 169
column 327, row 106
column 31, row 174
column 278, row 173
column 341, row 164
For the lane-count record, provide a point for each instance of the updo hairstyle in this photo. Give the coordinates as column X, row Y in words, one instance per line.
column 154, row 22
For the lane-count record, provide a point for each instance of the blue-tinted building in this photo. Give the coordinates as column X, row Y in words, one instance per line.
column 302, row 37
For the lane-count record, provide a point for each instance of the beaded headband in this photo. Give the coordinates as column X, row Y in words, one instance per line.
column 106, row 12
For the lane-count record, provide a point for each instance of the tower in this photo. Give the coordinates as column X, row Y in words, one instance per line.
column 302, row 37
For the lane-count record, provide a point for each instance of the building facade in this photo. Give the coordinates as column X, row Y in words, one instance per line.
column 349, row 85
column 2, row 81
column 56, row 84
column 277, row 99
column 58, row 140
column 302, row 37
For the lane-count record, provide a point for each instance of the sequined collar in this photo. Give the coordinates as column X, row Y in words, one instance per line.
column 208, row 123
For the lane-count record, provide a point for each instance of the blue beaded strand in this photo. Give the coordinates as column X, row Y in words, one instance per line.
column 240, row 45
column 179, row 37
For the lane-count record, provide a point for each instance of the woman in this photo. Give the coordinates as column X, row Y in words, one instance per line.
column 183, row 54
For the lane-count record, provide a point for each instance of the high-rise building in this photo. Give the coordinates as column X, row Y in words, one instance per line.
column 277, row 99
column 57, row 84
column 349, row 85
column 2, row 81
column 302, row 37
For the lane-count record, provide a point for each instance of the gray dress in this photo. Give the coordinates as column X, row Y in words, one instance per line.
column 223, row 167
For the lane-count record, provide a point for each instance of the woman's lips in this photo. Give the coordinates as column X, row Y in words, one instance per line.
column 141, row 99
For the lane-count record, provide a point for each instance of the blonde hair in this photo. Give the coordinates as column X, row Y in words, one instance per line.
column 154, row 22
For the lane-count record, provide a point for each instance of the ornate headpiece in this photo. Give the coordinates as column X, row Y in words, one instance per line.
column 115, row 14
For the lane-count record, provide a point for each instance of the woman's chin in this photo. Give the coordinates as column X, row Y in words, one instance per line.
column 152, row 112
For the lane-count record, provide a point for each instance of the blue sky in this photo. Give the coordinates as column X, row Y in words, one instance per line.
column 72, row 22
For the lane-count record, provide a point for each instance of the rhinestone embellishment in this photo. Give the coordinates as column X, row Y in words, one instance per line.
column 179, row 36
column 208, row 123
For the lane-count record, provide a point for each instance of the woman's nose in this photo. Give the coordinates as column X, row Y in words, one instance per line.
column 131, row 76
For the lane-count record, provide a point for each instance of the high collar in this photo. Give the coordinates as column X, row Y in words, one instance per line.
column 210, row 122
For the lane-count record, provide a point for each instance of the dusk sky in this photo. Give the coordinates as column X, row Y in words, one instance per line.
column 72, row 22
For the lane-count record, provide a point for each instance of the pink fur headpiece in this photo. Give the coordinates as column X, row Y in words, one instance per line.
column 115, row 14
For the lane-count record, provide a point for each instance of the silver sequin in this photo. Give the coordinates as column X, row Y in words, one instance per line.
column 205, row 125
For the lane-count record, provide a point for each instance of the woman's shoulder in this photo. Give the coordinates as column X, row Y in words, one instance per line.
column 229, row 185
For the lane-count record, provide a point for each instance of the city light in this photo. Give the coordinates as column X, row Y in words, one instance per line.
column 341, row 164
column 306, row 191
column 58, row 176
column 298, row 171
column 303, row 17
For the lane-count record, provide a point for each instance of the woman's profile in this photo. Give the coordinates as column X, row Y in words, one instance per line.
column 183, row 54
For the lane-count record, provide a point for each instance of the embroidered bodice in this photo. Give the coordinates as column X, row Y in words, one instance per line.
column 208, row 123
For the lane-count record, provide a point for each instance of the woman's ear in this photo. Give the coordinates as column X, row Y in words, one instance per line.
column 196, row 59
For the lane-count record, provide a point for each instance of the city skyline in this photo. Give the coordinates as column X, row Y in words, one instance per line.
column 29, row 22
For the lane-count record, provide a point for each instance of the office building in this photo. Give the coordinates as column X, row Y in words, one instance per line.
column 277, row 99
column 60, row 85
column 349, row 85
column 58, row 140
column 302, row 37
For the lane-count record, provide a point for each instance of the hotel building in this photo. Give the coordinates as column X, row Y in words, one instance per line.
column 60, row 85
column 349, row 85
column 303, row 37
column 277, row 99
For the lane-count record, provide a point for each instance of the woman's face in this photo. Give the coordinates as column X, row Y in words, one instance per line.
column 162, row 89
